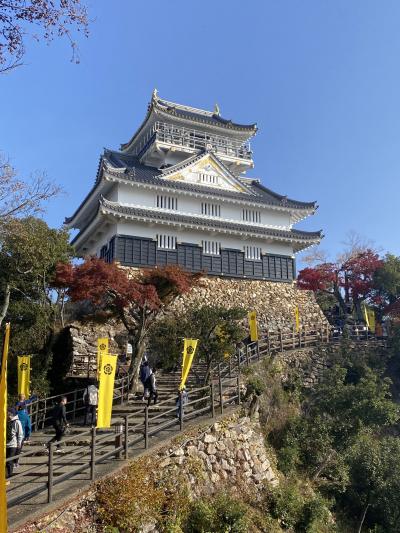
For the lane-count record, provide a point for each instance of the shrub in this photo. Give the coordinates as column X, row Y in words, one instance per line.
column 298, row 508
column 221, row 514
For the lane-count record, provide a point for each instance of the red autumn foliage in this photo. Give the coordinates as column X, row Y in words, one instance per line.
column 350, row 282
column 135, row 299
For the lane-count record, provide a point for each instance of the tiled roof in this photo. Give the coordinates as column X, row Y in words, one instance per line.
column 205, row 117
column 154, row 214
column 128, row 167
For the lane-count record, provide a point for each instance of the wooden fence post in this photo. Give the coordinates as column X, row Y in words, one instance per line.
column 74, row 410
column 146, row 427
column 269, row 342
column 181, row 412
column 281, row 339
column 50, row 473
column 221, row 398
column 93, row 454
column 238, row 389
column 212, row 399
column 126, row 443
column 122, row 391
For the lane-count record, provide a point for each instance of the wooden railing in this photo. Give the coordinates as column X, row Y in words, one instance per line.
column 135, row 429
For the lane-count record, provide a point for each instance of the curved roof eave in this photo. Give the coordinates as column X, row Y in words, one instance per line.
column 177, row 111
column 116, row 209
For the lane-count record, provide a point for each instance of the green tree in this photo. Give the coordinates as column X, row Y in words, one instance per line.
column 29, row 253
column 217, row 328
column 373, row 493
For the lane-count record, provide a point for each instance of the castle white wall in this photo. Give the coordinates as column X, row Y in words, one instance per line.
column 196, row 237
column 98, row 239
column 131, row 195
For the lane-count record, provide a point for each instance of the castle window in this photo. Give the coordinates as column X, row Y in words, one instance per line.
column 249, row 215
column 167, row 242
column 213, row 210
column 252, row 252
column 211, row 247
column 167, row 202
column 208, row 178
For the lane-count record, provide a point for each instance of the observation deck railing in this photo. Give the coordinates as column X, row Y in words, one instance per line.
column 179, row 136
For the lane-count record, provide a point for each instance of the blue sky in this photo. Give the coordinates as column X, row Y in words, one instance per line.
column 321, row 79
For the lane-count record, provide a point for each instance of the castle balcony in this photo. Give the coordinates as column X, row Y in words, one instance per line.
column 170, row 144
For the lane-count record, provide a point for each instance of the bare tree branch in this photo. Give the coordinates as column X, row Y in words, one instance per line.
column 52, row 19
column 22, row 198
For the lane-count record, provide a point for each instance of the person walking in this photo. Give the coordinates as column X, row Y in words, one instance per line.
column 151, row 386
column 14, row 440
column 90, row 400
column 145, row 372
column 26, row 425
column 59, row 420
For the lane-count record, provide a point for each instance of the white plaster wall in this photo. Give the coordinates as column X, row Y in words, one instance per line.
column 101, row 237
column 195, row 237
column 135, row 196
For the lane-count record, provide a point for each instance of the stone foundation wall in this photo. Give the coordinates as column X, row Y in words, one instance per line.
column 275, row 304
column 228, row 453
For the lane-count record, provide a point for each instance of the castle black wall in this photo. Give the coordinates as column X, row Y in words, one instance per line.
column 142, row 252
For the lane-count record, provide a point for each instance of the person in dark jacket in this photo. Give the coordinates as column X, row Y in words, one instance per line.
column 151, row 386
column 144, row 375
column 59, row 420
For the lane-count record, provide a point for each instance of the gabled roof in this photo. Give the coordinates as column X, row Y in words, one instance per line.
column 126, row 167
column 167, row 109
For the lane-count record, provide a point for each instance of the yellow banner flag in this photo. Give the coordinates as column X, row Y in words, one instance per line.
column 253, row 326
column 24, row 374
column 3, row 424
column 369, row 316
column 366, row 317
column 189, row 349
column 102, row 348
column 297, row 318
column 106, row 390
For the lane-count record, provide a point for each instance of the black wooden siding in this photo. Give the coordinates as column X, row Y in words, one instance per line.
column 141, row 252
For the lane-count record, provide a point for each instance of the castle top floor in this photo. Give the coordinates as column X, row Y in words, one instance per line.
column 170, row 133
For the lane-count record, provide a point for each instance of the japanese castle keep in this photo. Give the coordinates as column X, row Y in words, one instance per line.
column 177, row 193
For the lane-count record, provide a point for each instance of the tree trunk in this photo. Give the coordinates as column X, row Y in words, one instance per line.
column 138, row 346
column 363, row 518
column 324, row 465
column 6, row 303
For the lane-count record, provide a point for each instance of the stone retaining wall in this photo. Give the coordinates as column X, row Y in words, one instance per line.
column 275, row 304
column 228, row 453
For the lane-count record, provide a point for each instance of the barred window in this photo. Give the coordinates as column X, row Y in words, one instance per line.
column 167, row 202
column 208, row 178
column 211, row 247
column 213, row 210
column 252, row 252
column 249, row 215
column 168, row 242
